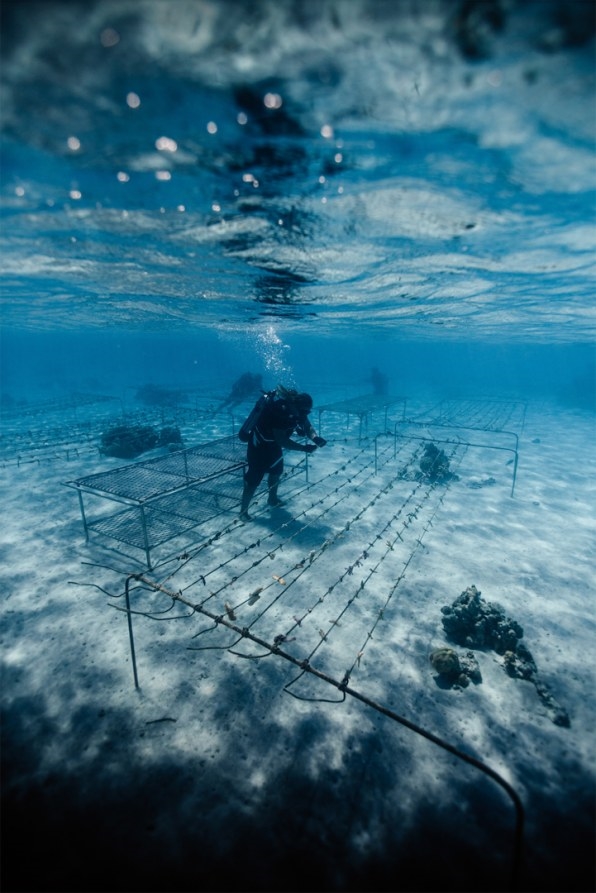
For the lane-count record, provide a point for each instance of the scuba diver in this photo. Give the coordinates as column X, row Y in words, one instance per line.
column 245, row 386
column 379, row 381
column 280, row 413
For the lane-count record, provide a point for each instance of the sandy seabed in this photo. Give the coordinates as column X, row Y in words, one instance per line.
column 232, row 768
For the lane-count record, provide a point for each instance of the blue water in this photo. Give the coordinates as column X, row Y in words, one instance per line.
column 404, row 172
column 304, row 189
column 38, row 367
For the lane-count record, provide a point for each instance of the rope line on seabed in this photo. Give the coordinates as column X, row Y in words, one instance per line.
column 268, row 536
column 257, row 543
column 304, row 565
column 380, row 612
column 307, row 562
column 356, row 594
column 185, row 558
column 311, row 520
column 342, row 686
column 348, row 571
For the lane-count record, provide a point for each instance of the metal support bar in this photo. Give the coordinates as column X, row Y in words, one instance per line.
column 130, row 633
column 145, row 537
column 514, row 472
column 484, row 446
column 431, row 424
column 362, row 407
column 86, row 529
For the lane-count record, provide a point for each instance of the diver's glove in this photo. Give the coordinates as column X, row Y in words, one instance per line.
column 319, row 441
column 308, row 448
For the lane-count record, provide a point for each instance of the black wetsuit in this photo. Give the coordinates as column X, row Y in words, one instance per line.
column 264, row 452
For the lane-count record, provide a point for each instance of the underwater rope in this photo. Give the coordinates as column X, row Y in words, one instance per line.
column 307, row 561
column 373, row 570
column 202, row 577
column 362, row 556
column 184, row 559
column 216, row 536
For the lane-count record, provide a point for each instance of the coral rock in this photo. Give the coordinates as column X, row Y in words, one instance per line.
column 445, row 661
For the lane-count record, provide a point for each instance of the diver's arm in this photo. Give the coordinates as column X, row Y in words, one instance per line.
column 308, row 431
column 284, row 440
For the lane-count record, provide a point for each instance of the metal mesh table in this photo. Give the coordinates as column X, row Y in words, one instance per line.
column 363, row 407
column 165, row 496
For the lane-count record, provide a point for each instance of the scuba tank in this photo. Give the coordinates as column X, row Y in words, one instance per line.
column 252, row 419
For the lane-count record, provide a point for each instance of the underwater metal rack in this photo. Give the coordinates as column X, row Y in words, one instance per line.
column 363, row 407
column 166, row 496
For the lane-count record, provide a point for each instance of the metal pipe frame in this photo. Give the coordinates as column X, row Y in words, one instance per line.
column 345, row 689
column 485, row 446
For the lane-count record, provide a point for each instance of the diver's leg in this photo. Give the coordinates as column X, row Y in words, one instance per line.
column 261, row 459
column 252, row 478
column 247, row 494
column 273, row 483
column 275, row 471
